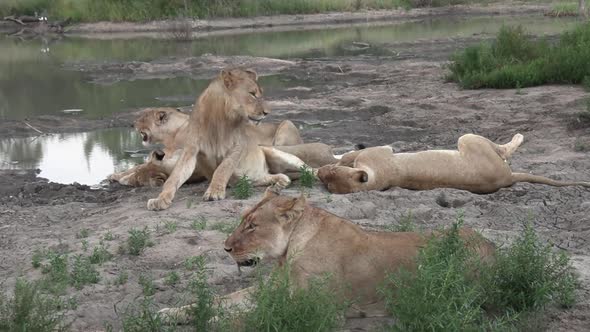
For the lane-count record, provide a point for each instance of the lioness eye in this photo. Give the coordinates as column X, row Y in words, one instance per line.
column 251, row 226
column 253, row 94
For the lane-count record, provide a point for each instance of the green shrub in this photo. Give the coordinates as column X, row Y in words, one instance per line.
column 172, row 278
column 100, row 254
column 441, row 296
column 528, row 275
column 29, row 310
column 138, row 240
column 144, row 319
column 243, row 188
column 514, row 60
column 121, row 278
column 147, row 285
column 306, row 177
column 56, row 277
column 83, row 272
column 204, row 308
column 280, row 308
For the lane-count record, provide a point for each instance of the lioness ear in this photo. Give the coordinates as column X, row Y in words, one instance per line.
column 292, row 211
column 228, row 78
column 361, row 176
column 162, row 117
column 252, row 74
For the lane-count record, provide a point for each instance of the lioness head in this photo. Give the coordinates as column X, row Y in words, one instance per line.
column 265, row 229
column 156, row 124
column 343, row 179
column 245, row 94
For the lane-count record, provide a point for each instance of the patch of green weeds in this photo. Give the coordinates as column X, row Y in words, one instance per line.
column 56, row 277
column 514, row 59
column 170, row 226
column 138, row 240
column 199, row 224
column 226, row 227
column 108, row 236
column 121, row 278
column 443, row 294
column 172, row 278
column 100, row 254
column 205, row 308
column 31, row 311
column 83, row 272
column 306, row 177
column 243, row 188
column 406, row 224
column 280, row 307
column 83, row 233
column 37, row 258
column 84, row 245
column 145, row 319
column 194, row 262
column 147, row 285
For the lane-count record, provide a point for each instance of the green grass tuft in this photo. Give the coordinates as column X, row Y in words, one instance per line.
column 226, row 227
column 121, row 278
column 147, row 285
column 306, row 177
column 100, row 254
column 144, row 318
column 515, row 60
column 170, row 226
column 243, row 188
column 199, row 224
column 172, row 278
column 83, row 272
column 138, row 240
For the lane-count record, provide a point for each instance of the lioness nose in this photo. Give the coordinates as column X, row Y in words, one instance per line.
column 228, row 249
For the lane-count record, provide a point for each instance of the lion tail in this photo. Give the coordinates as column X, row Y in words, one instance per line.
column 525, row 177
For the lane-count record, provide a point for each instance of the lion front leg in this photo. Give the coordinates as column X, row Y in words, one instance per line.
column 182, row 171
column 222, row 174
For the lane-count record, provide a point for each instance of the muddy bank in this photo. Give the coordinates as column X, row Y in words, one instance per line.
column 222, row 26
column 311, row 21
column 343, row 101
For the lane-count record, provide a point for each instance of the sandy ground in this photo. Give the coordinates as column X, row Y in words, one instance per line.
column 343, row 101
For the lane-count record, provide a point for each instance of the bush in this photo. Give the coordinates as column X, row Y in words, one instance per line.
column 243, row 188
column 29, row 310
column 513, row 60
column 280, row 308
column 529, row 275
column 439, row 296
column 138, row 240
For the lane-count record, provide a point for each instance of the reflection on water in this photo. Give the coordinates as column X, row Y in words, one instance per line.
column 86, row 158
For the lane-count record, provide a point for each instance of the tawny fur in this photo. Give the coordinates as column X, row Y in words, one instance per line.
column 478, row 166
column 316, row 242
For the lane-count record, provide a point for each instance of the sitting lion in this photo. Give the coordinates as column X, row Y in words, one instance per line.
column 478, row 166
column 222, row 142
column 316, row 242
column 167, row 126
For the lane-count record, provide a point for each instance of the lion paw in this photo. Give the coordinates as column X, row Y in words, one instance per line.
column 157, row 204
column 214, row 194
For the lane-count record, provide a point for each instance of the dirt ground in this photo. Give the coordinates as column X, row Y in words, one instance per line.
column 341, row 101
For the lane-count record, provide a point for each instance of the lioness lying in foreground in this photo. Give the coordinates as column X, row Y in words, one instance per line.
column 478, row 166
column 316, row 242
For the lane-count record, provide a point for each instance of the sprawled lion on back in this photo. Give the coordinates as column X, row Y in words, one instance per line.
column 167, row 126
column 222, row 141
column 316, row 242
column 478, row 165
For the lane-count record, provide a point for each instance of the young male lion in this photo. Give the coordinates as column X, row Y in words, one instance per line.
column 167, row 126
column 221, row 140
column 478, row 166
column 316, row 242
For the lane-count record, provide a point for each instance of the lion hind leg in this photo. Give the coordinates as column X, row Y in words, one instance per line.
column 278, row 181
column 280, row 162
column 506, row 150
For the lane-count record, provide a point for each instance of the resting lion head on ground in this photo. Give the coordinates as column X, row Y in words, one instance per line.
column 160, row 125
column 316, row 242
column 478, row 165
column 221, row 141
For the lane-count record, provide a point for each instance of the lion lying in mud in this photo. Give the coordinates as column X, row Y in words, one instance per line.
column 221, row 140
column 316, row 242
column 478, row 166
column 167, row 126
